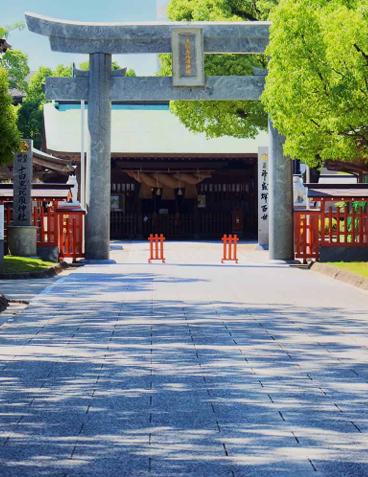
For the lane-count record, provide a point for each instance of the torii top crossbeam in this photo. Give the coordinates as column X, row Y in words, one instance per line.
column 154, row 37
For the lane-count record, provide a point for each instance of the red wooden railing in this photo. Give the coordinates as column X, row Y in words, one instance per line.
column 60, row 227
column 230, row 248
column 329, row 227
column 156, row 248
column 70, row 229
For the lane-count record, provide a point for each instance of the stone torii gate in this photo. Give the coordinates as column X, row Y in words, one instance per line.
column 188, row 42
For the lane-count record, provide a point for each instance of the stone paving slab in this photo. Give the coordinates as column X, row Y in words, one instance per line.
column 186, row 369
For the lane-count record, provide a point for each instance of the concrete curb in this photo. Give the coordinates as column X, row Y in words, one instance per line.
column 342, row 275
column 48, row 273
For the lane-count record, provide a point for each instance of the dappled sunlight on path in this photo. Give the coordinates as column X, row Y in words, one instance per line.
column 173, row 370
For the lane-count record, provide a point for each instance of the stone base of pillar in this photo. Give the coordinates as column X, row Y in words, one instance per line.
column 22, row 240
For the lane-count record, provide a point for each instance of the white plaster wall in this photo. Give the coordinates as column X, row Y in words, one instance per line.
column 142, row 131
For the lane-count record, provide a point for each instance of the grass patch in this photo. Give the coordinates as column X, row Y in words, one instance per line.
column 359, row 268
column 23, row 264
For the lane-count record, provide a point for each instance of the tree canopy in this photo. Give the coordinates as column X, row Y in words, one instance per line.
column 317, row 85
column 9, row 133
column 16, row 64
column 114, row 66
column 14, row 61
column 218, row 118
column 30, row 116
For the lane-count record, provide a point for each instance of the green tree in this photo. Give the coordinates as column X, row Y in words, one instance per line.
column 9, row 134
column 317, row 85
column 115, row 66
column 130, row 72
column 30, row 117
column 16, row 64
column 14, row 61
column 218, row 118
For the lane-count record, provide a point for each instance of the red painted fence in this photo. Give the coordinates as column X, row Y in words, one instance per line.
column 329, row 227
column 56, row 226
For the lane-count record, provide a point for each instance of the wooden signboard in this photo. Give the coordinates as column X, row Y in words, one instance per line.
column 188, row 57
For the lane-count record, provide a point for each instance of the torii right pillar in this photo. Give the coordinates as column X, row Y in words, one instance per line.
column 281, row 199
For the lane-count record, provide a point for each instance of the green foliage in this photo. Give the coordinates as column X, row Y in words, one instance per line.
column 85, row 66
column 16, row 64
column 14, row 61
column 317, row 85
column 5, row 30
column 30, row 117
column 358, row 268
column 216, row 10
column 63, row 71
column 12, row 265
column 219, row 118
column 9, row 134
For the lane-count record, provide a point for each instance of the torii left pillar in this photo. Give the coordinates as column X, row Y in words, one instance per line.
column 99, row 177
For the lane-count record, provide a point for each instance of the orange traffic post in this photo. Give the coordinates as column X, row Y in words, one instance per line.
column 156, row 248
column 230, row 248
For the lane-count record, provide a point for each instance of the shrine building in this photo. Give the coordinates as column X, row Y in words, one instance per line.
column 165, row 178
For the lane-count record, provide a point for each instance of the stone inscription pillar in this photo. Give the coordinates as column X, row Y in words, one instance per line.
column 22, row 236
column 281, row 199
column 22, row 185
column 99, row 125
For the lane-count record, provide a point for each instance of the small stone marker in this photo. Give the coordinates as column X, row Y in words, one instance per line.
column 263, row 198
column 22, row 180
column 188, row 57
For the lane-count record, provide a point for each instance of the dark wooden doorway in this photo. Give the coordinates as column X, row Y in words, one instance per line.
column 225, row 202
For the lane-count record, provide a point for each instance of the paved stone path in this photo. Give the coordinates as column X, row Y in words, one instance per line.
column 186, row 370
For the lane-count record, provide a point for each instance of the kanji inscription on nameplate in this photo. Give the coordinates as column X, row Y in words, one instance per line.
column 263, row 196
column 188, row 57
column 22, row 180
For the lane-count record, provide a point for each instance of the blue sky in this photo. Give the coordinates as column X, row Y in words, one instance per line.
column 37, row 47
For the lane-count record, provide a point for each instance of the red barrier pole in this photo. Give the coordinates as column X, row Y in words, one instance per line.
column 58, row 232
column 51, row 226
column 224, row 248
column 150, row 238
column 74, row 251
column 156, row 247
column 162, row 238
column 235, row 248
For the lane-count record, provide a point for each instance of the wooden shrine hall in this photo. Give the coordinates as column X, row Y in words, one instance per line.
column 164, row 178
column 184, row 197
